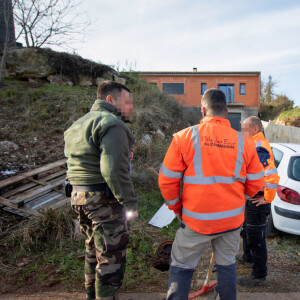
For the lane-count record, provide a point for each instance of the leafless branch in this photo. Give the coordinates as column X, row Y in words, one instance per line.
column 48, row 22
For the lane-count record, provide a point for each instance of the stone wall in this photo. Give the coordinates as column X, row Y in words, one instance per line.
column 281, row 134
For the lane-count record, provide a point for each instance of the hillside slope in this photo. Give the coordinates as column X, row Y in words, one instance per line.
column 34, row 117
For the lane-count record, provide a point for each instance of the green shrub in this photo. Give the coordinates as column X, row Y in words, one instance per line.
column 271, row 110
column 291, row 117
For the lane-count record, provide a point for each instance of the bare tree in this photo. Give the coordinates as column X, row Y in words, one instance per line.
column 48, row 22
column 267, row 90
column 6, row 16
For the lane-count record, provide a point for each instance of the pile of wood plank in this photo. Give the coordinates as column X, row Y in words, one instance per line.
column 30, row 193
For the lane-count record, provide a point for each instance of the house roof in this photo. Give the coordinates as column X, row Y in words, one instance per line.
column 192, row 73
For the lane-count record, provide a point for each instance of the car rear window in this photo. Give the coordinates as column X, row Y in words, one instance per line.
column 294, row 168
column 277, row 156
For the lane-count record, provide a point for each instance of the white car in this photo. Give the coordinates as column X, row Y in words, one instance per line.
column 285, row 208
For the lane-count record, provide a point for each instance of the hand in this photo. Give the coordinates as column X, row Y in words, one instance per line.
column 131, row 215
column 259, row 200
column 179, row 216
column 131, row 154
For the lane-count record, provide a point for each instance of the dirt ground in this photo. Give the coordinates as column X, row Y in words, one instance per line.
column 283, row 274
column 32, row 152
column 152, row 296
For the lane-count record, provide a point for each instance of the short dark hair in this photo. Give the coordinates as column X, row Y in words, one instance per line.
column 214, row 101
column 109, row 87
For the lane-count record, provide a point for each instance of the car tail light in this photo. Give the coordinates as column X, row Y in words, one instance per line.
column 288, row 195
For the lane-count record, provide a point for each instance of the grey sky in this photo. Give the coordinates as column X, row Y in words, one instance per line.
column 215, row 35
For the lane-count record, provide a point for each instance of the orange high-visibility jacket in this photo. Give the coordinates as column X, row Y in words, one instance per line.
column 266, row 157
column 218, row 170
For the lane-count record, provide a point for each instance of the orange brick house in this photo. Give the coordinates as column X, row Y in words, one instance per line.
column 242, row 89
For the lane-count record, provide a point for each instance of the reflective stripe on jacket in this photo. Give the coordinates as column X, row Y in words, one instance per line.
column 218, row 170
column 267, row 160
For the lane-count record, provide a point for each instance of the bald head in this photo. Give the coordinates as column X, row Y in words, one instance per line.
column 254, row 121
column 251, row 126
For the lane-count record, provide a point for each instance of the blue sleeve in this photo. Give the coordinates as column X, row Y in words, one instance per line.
column 263, row 155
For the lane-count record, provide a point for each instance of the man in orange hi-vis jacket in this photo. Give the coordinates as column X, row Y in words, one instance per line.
column 257, row 208
column 218, row 169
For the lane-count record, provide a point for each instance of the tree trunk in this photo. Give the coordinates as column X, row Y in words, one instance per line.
column 7, row 15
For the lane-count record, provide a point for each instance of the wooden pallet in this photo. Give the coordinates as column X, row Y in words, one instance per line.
column 30, row 193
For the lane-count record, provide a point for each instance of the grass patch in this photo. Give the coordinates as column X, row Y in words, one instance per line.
column 289, row 245
column 44, row 105
column 68, row 264
column 52, row 253
column 291, row 117
column 145, row 240
column 46, row 246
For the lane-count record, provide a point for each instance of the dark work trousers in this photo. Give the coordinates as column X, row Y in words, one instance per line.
column 254, row 237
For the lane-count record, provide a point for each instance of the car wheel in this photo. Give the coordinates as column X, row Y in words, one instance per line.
column 271, row 231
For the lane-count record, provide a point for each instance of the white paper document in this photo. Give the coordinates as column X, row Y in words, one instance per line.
column 163, row 217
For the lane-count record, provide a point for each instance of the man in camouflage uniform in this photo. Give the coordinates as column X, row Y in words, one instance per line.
column 98, row 150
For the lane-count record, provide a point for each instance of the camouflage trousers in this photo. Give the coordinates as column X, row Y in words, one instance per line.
column 105, row 227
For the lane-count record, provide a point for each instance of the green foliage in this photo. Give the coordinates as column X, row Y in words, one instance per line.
column 50, row 230
column 271, row 110
column 48, row 109
column 291, row 117
column 270, row 106
column 145, row 239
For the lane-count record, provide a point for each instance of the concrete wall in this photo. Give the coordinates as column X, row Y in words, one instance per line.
column 244, row 111
column 276, row 133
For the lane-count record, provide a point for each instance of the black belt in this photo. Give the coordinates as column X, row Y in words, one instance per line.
column 101, row 187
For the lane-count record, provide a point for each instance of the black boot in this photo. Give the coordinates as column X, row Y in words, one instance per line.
column 90, row 294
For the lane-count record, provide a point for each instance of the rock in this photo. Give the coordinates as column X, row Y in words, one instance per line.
column 41, row 63
column 146, row 140
column 8, row 146
column 23, row 262
column 160, row 134
column 25, row 63
column 120, row 80
column 35, row 81
column 59, row 80
column 99, row 80
column 85, row 80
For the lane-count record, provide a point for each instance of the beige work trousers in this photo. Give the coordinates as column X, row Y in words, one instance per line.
column 189, row 246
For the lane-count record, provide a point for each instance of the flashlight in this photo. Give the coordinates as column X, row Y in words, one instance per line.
column 129, row 214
